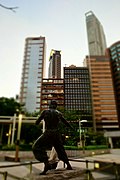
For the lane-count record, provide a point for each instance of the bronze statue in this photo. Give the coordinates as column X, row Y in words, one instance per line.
column 51, row 137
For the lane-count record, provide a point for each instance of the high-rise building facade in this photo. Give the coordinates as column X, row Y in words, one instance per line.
column 77, row 94
column 54, row 70
column 95, row 34
column 32, row 73
column 52, row 89
column 114, row 54
column 103, row 98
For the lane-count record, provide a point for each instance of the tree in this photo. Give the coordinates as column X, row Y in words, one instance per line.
column 9, row 106
column 72, row 137
column 9, row 8
column 30, row 132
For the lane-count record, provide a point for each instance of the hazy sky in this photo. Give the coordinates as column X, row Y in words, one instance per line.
column 62, row 22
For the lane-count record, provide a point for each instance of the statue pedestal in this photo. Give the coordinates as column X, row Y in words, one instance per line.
column 60, row 174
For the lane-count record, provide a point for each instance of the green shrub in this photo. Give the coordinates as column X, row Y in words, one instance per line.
column 22, row 147
column 8, row 147
column 86, row 147
column 0, row 146
column 72, row 147
column 96, row 147
column 26, row 147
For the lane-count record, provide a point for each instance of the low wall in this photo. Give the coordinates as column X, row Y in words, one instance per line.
column 71, row 153
column 83, row 153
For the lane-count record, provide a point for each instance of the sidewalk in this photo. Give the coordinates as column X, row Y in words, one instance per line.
column 23, row 171
column 78, row 173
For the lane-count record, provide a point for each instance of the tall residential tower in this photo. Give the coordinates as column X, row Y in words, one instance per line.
column 32, row 73
column 54, row 64
column 53, row 87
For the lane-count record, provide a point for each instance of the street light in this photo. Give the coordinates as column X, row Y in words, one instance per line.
column 9, row 134
column 81, row 121
column 19, row 126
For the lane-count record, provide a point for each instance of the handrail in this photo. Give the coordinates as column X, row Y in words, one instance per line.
column 19, row 164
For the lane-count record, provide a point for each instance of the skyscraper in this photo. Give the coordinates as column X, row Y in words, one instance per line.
column 77, row 94
column 103, row 98
column 96, row 36
column 52, row 89
column 54, row 64
column 32, row 73
column 114, row 55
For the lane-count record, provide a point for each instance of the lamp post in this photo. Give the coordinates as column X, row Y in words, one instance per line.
column 81, row 121
column 19, row 126
column 9, row 134
column 18, row 137
column 13, row 130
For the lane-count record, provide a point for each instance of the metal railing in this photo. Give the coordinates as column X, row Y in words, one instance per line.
column 5, row 174
column 86, row 171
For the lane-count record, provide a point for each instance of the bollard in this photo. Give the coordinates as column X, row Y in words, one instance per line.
column 17, row 151
column 5, row 175
column 116, row 171
column 87, row 164
column 89, row 175
column 30, row 167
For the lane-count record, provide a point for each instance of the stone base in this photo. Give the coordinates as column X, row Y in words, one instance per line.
column 60, row 174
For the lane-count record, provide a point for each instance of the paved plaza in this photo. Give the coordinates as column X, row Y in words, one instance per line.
column 24, row 170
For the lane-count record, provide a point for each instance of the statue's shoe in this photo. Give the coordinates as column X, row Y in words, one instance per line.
column 54, row 165
column 46, row 168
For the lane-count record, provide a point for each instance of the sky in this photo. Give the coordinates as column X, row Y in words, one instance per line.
column 61, row 22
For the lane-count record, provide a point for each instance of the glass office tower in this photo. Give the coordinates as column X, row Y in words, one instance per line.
column 32, row 73
column 95, row 34
column 77, row 94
